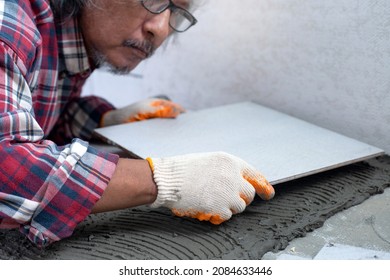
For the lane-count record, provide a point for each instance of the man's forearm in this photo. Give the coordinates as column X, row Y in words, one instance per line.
column 131, row 185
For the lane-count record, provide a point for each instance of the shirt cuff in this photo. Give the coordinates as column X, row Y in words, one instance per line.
column 67, row 205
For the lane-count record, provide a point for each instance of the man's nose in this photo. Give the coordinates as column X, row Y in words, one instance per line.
column 157, row 27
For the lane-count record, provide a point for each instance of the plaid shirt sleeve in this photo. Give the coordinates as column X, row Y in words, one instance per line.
column 46, row 190
column 79, row 119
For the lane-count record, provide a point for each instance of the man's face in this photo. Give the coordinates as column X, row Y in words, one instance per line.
column 122, row 33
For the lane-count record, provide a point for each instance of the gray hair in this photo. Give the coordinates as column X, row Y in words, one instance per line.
column 72, row 8
column 69, row 8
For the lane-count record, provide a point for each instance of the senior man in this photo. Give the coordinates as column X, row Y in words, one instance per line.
column 51, row 178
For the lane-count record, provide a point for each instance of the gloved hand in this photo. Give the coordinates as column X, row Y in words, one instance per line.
column 209, row 186
column 142, row 110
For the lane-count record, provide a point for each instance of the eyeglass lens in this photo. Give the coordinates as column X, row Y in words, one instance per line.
column 156, row 6
column 180, row 19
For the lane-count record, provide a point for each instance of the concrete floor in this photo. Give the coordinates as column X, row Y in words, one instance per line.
column 360, row 232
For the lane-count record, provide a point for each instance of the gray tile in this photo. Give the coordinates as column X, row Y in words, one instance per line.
column 278, row 145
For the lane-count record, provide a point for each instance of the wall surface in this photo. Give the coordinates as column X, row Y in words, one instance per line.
column 327, row 62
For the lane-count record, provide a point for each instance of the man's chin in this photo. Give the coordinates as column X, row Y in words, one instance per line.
column 123, row 70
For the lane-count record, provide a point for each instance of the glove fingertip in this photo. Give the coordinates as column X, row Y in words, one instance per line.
column 266, row 192
column 263, row 188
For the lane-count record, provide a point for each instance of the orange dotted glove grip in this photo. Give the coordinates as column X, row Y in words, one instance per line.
column 157, row 109
column 142, row 110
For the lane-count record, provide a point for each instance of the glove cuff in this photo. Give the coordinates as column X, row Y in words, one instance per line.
column 168, row 175
column 151, row 164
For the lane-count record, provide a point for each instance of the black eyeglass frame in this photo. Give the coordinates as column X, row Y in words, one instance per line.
column 173, row 7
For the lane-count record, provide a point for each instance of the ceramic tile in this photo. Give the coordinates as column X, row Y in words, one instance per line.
column 280, row 146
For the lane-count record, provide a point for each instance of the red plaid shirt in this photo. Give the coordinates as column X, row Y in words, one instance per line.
column 46, row 189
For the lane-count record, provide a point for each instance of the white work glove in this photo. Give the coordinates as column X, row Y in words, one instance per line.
column 142, row 110
column 208, row 186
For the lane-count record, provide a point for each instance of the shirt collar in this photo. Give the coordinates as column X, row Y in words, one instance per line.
column 71, row 47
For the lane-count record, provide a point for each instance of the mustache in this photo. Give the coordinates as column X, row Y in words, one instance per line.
column 146, row 46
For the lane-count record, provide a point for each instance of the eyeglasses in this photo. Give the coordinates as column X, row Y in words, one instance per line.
column 181, row 20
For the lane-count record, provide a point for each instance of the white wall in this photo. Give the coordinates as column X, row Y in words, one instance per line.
column 327, row 62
